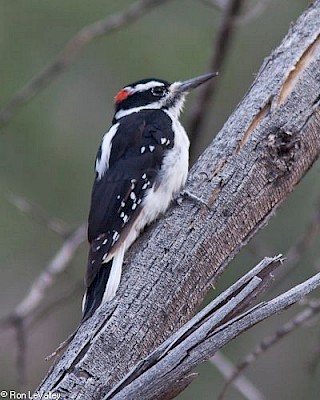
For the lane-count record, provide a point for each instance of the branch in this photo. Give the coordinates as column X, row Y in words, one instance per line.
column 71, row 51
column 260, row 155
column 152, row 381
column 231, row 303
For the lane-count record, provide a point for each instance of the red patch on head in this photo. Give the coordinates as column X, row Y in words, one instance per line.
column 122, row 95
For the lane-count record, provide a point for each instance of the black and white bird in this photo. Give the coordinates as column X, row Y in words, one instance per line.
column 141, row 164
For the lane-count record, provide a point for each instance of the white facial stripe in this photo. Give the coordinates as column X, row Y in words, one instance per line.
column 154, row 106
column 141, row 87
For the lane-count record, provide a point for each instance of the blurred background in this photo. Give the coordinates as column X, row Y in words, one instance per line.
column 47, row 151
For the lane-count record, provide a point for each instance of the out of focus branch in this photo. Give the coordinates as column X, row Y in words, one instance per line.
column 220, row 46
column 47, row 277
column 241, row 383
column 32, row 305
column 55, row 225
column 71, row 50
column 252, row 12
column 312, row 232
column 299, row 249
column 298, row 321
column 249, row 11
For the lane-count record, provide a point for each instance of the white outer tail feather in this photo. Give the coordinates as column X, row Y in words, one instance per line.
column 84, row 301
column 115, row 275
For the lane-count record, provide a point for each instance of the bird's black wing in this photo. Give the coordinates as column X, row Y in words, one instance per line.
column 135, row 159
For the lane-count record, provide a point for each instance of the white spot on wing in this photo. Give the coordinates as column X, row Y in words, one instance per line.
column 145, row 185
column 151, row 148
column 115, row 236
column 143, row 149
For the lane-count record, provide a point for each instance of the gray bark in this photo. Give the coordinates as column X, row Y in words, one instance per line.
column 166, row 372
column 256, row 160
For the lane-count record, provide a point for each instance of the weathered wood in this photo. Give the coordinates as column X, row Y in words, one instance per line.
column 261, row 153
column 224, row 307
column 159, row 373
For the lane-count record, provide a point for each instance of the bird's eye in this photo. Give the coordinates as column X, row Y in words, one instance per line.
column 158, row 90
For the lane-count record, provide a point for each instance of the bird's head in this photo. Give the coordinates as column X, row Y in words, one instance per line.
column 155, row 94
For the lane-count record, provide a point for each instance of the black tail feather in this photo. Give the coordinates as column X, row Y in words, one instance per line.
column 95, row 291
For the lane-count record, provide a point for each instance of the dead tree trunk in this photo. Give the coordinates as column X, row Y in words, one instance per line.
column 261, row 153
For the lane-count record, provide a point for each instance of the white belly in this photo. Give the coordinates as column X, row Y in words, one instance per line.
column 172, row 177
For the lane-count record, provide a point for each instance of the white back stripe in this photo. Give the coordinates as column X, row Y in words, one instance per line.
column 102, row 164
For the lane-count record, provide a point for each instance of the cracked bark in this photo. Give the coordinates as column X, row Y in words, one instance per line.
column 261, row 153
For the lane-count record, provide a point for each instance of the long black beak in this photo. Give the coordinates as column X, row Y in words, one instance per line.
column 194, row 82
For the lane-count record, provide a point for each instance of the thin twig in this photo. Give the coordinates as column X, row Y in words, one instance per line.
column 21, row 356
column 220, row 47
column 70, row 52
column 60, row 299
column 304, row 243
column 298, row 249
column 252, row 12
column 219, row 4
column 242, row 384
column 249, row 12
column 298, row 321
column 312, row 231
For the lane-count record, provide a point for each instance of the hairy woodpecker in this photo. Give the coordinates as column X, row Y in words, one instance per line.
column 141, row 164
